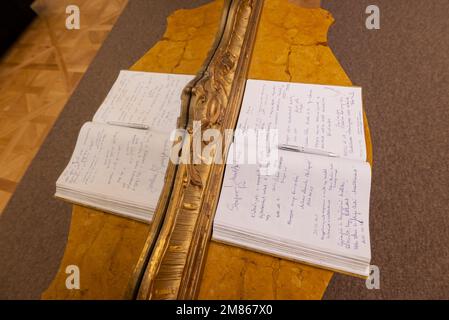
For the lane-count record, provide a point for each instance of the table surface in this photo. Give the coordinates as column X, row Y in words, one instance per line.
column 291, row 45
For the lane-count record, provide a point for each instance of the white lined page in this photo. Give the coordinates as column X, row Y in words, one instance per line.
column 319, row 117
column 320, row 202
column 145, row 99
column 118, row 163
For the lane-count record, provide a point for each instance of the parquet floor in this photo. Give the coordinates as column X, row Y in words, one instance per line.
column 39, row 73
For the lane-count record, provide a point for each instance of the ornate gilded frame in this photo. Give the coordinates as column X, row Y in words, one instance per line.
column 172, row 260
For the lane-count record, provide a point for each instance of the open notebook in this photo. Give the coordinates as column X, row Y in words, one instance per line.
column 314, row 207
column 120, row 158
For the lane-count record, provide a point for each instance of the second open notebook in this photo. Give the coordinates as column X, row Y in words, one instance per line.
column 314, row 206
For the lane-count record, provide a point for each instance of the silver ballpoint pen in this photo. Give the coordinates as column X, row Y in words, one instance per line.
column 288, row 147
column 128, row 125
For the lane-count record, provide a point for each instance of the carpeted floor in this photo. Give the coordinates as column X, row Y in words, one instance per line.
column 403, row 70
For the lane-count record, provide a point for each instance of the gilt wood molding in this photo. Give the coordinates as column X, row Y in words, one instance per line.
column 174, row 267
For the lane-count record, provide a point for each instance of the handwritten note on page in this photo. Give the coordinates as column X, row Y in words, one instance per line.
column 317, row 117
column 312, row 199
column 146, row 99
column 118, row 163
column 314, row 207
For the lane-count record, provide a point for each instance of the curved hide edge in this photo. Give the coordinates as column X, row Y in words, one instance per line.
column 291, row 45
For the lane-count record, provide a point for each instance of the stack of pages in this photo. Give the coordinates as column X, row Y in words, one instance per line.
column 120, row 158
column 310, row 202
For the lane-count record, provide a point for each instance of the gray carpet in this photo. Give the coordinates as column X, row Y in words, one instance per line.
column 403, row 69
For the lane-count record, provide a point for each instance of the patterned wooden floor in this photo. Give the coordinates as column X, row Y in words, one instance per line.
column 38, row 74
